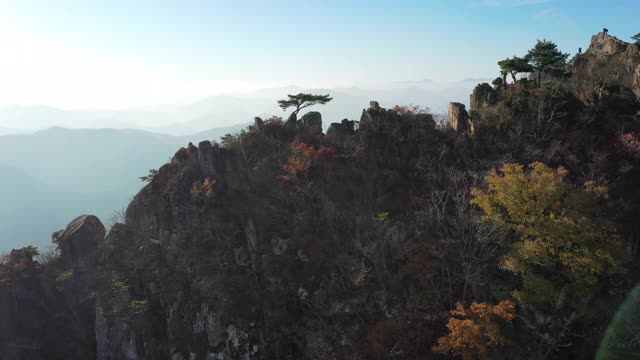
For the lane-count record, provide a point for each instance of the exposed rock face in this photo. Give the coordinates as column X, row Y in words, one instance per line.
column 373, row 105
column 292, row 120
column 258, row 123
column 210, row 160
column 313, row 122
column 45, row 318
column 409, row 125
column 78, row 245
column 483, row 95
column 79, row 242
column 636, row 88
column 608, row 60
column 605, row 44
column 234, row 276
column 341, row 130
column 459, row 118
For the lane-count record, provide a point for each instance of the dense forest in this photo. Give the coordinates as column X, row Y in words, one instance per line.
column 508, row 231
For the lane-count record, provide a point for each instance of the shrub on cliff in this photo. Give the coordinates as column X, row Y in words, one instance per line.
column 558, row 236
column 475, row 331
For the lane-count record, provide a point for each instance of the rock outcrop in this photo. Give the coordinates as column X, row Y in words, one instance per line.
column 459, row 119
column 339, row 131
column 258, row 124
column 312, row 121
column 636, row 80
column 52, row 316
column 605, row 44
column 608, row 67
column 292, row 120
column 210, row 159
column 351, row 245
column 78, row 244
column 483, row 95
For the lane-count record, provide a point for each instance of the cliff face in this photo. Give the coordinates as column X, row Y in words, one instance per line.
column 266, row 268
column 605, row 44
column 610, row 60
column 49, row 315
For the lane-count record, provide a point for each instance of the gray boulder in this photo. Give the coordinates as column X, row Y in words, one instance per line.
column 79, row 242
column 339, row 131
column 210, row 160
column 258, row 123
column 312, row 121
column 483, row 95
column 292, row 120
column 459, row 118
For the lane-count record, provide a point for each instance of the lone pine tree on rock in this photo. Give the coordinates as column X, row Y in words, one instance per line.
column 301, row 101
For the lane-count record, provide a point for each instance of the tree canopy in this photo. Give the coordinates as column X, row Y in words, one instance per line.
column 559, row 238
column 544, row 56
column 476, row 330
column 301, row 101
column 636, row 37
column 514, row 66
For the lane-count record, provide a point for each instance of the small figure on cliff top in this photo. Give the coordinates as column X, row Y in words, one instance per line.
column 605, row 31
column 579, row 50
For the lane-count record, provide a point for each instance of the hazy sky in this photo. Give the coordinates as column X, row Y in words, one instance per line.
column 114, row 54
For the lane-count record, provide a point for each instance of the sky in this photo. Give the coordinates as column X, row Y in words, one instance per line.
column 121, row 54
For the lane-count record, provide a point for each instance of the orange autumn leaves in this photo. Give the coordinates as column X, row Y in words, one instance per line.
column 475, row 330
column 303, row 157
column 204, row 189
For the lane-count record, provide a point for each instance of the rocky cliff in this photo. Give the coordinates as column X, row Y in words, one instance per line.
column 284, row 242
column 610, row 61
column 265, row 268
column 48, row 312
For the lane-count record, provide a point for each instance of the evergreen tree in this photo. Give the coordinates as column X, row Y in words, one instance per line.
column 544, row 56
column 514, row 66
column 302, row 101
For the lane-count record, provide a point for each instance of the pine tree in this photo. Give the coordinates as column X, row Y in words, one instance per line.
column 544, row 56
column 302, row 101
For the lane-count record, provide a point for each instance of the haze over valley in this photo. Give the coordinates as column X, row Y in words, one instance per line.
column 56, row 163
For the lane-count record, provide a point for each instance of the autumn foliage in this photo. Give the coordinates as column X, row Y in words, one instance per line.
column 630, row 144
column 204, row 188
column 559, row 238
column 475, row 330
column 303, row 158
column 410, row 109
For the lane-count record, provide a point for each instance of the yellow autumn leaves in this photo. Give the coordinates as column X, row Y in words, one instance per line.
column 558, row 233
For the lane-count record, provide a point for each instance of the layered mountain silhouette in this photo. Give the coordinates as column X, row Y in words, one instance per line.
column 53, row 174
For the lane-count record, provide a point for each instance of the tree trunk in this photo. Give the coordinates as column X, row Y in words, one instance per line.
column 540, row 77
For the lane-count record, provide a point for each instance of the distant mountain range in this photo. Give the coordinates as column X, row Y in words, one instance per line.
column 56, row 164
column 223, row 110
column 55, row 174
column 8, row 131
